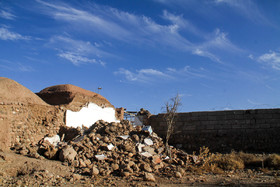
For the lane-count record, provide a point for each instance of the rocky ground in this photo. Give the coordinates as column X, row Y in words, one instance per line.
column 119, row 154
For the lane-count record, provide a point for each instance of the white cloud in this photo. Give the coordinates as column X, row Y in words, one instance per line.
column 143, row 75
column 15, row 66
column 149, row 75
column 188, row 71
column 135, row 29
column 204, row 53
column 251, row 56
column 219, row 40
column 247, row 8
column 272, row 58
column 7, row 15
column 76, row 59
column 5, row 34
column 77, row 51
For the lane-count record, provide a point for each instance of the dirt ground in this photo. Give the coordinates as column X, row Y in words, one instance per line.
column 18, row 170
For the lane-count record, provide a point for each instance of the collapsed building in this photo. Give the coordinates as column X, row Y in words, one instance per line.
column 83, row 130
column 26, row 117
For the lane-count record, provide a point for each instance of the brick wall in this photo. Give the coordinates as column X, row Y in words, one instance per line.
column 26, row 123
column 222, row 131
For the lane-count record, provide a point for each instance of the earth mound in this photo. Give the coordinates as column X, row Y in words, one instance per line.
column 73, row 97
column 13, row 92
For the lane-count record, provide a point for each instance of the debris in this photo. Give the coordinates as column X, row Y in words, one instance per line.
column 67, row 153
column 146, row 154
column 148, row 141
column 148, row 129
column 100, row 157
column 94, row 171
column 149, row 177
column 124, row 137
column 140, row 146
column 178, row 175
column 118, row 149
column 110, row 147
column 54, row 140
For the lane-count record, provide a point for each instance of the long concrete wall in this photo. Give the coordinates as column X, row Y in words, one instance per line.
column 222, row 131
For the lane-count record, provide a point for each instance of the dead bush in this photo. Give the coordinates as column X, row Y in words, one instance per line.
column 250, row 160
column 273, row 161
column 226, row 161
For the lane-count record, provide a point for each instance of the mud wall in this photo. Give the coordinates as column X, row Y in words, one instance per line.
column 27, row 123
column 222, row 131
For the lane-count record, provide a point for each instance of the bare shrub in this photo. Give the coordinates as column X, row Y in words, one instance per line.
column 227, row 161
column 250, row 160
column 171, row 108
column 273, row 161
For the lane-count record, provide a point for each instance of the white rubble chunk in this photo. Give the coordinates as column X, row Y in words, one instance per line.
column 54, row 140
column 124, row 137
column 139, row 147
column 100, row 157
column 148, row 141
column 146, row 154
column 110, row 147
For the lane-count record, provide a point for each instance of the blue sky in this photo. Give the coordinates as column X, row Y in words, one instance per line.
column 217, row 54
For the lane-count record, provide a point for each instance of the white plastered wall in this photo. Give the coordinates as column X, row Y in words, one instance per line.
column 89, row 114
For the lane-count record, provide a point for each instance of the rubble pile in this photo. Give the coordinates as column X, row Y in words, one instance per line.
column 113, row 149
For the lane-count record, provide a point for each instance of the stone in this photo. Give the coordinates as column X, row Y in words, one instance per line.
column 51, row 152
column 156, row 159
column 178, row 175
column 146, row 167
column 146, row 154
column 100, row 157
column 82, row 163
column 149, row 150
column 149, row 177
column 135, row 138
column 125, row 174
column 148, row 141
column 94, row 171
column 76, row 177
column 182, row 171
column 115, row 166
column 87, row 162
column 67, row 154
column 106, row 139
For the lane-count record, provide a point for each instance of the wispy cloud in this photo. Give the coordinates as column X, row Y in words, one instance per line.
column 148, row 75
column 15, row 66
column 247, row 8
column 77, row 51
column 143, row 75
column 219, row 40
column 138, row 29
column 188, row 72
column 76, row 59
column 5, row 34
column 205, row 53
column 271, row 58
column 7, row 15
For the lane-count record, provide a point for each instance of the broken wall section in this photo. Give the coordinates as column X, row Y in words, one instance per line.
column 222, row 131
column 27, row 123
column 90, row 114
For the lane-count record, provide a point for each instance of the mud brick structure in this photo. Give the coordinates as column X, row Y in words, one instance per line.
column 222, row 131
column 26, row 123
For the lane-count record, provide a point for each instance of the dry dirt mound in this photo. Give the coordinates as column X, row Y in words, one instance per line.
column 71, row 96
column 13, row 92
